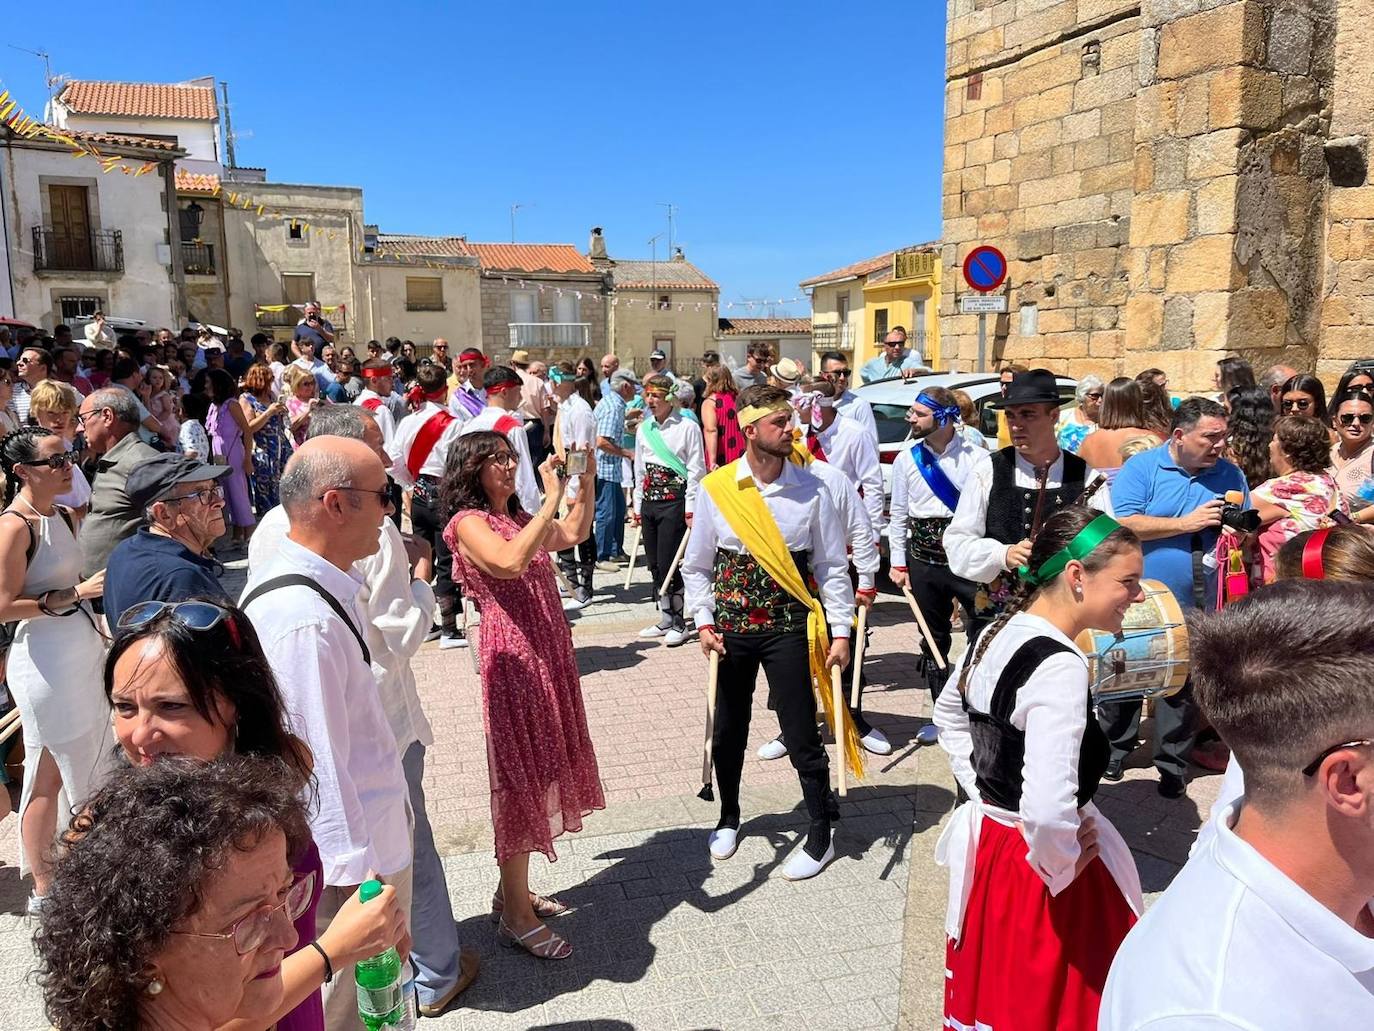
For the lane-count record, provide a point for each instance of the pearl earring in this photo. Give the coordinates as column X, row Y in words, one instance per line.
column 154, row 987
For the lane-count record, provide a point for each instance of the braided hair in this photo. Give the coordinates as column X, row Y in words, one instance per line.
column 16, row 447
column 1054, row 536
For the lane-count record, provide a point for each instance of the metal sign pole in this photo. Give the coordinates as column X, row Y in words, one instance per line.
column 983, row 342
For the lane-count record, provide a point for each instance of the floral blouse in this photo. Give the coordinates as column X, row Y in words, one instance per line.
column 1308, row 498
column 1072, row 431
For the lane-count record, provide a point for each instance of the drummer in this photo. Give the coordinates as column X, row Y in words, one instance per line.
column 1042, row 887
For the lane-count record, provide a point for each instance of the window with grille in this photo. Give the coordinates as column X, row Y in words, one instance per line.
column 879, row 324
column 424, row 293
column 79, row 307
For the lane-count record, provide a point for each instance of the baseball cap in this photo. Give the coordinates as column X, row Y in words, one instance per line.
column 156, row 478
column 624, row 376
column 658, row 355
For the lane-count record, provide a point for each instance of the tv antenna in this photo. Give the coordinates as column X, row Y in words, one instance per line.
column 672, row 210
column 513, row 209
column 49, row 79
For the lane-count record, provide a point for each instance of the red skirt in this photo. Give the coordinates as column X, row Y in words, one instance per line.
column 1028, row 960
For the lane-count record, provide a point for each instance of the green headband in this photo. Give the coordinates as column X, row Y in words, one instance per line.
column 557, row 375
column 1084, row 543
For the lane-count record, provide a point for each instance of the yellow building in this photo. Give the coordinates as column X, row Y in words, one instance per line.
column 904, row 293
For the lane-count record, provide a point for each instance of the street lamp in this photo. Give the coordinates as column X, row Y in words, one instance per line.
column 197, row 214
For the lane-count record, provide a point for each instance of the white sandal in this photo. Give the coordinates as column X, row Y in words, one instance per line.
column 552, row 947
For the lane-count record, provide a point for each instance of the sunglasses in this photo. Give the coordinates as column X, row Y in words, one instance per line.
column 194, row 615
column 1302, row 404
column 251, row 930
column 1349, row 419
column 839, row 374
column 383, row 496
column 65, row 460
column 1312, row 767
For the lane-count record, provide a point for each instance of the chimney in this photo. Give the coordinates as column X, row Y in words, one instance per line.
column 597, row 247
column 678, row 255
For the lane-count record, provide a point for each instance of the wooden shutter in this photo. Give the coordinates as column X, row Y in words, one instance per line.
column 71, row 227
column 424, row 293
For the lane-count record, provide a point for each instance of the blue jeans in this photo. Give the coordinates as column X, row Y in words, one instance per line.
column 432, row 928
column 610, row 519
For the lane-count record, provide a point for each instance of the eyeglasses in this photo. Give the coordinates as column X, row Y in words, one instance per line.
column 838, row 374
column 194, row 615
column 1302, row 404
column 1311, row 768
column 206, row 495
column 383, row 496
column 1350, row 418
column 251, row 930
column 64, row 460
column 505, row 459
column 81, row 417
column 1096, row 395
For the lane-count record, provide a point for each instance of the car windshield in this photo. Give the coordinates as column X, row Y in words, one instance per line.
column 892, row 425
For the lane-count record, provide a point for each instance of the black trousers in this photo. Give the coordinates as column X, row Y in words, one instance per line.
column 1176, row 723
column 583, row 555
column 396, row 504
column 785, row 663
column 427, row 521
column 664, row 524
column 936, row 590
column 534, row 436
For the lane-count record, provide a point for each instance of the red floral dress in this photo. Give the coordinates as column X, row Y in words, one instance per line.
column 540, row 760
column 1308, row 498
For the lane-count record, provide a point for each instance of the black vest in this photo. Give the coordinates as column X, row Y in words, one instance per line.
column 1011, row 509
column 999, row 749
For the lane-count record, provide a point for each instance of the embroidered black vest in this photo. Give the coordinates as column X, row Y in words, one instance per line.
column 749, row 601
column 1011, row 509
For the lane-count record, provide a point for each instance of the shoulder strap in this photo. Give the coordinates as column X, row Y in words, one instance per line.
column 299, row 580
column 426, row 439
column 372, row 404
column 1025, row 661
column 33, row 539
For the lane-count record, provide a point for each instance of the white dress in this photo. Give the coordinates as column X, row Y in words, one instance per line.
column 55, row 675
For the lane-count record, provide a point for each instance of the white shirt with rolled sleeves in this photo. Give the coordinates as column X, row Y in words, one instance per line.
column 577, row 428
column 1051, row 710
column 380, row 412
column 361, row 819
column 526, row 483
column 912, row 497
column 978, row 558
column 404, row 439
column 855, row 452
column 1234, row 945
column 852, row 406
column 399, row 611
column 806, row 517
column 682, row 437
column 863, row 551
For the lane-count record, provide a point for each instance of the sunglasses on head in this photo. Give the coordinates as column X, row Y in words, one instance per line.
column 1350, row 418
column 193, row 615
column 63, row 460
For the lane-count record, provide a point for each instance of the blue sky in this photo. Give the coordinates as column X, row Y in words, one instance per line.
column 791, row 138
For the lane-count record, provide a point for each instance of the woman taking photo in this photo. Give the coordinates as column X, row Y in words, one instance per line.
column 1042, row 887
column 1120, row 418
column 1302, row 493
column 271, row 435
column 232, row 441
column 1080, row 420
column 190, row 680
column 539, row 755
column 719, row 418
column 1352, row 456
column 54, row 662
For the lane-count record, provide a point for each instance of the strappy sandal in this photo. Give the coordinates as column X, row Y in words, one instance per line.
column 552, row 947
column 543, row 908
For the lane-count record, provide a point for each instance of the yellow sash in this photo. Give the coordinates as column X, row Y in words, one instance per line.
column 743, row 508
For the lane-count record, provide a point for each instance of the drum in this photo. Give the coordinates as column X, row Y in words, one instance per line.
column 1148, row 659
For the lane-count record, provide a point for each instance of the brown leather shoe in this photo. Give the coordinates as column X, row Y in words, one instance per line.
column 468, row 964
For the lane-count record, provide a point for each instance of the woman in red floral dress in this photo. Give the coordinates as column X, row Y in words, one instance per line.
column 539, row 755
column 1303, row 493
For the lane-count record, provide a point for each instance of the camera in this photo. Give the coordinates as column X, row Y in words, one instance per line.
column 576, row 463
column 1233, row 517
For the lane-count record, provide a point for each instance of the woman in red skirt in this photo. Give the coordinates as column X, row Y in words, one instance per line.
column 1042, row 888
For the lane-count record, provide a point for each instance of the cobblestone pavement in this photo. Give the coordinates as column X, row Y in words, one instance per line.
column 664, row 937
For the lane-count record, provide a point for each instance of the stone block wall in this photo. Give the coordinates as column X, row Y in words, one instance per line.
column 496, row 314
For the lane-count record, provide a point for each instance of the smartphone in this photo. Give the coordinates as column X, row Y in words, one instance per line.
column 576, row 463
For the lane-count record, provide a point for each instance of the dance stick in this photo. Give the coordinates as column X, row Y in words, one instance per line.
column 837, row 700
column 562, row 576
column 859, row 642
column 677, row 561
column 9, row 725
column 925, row 630
column 634, row 553
column 713, row 671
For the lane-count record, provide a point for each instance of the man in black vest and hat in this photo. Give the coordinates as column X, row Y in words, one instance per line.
column 1010, row 493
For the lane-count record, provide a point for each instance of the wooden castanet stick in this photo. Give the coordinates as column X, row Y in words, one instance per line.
column 634, row 553
column 925, row 629
column 677, row 561
column 837, row 700
column 859, row 635
column 713, row 672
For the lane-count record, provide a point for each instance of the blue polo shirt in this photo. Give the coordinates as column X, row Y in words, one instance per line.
column 150, row 567
column 1152, row 484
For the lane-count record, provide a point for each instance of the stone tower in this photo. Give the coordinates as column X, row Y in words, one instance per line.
column 1172, row 181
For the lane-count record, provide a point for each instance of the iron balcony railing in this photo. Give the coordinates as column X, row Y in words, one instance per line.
column 99, row 250
column 833, row 336
column 198, row 259
column 550, row 334
column 290, row 315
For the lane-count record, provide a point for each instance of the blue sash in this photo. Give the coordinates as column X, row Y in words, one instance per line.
column 935, row 477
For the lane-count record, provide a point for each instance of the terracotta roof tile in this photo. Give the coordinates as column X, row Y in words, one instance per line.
column 426, row 246
column 754, row 327
column 667, row 275
column 140, row 99
column 859, row 268
column 196, row 182
column 531, row 257
column 110, row 138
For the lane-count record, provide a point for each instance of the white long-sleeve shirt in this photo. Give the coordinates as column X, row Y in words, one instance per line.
column 526, row 486
column 852, row 406
column 806, row 517
column 912, row 497
column 360, row 822
column 855, row 453
column 682, row 437
column 863, row 552
column 381, row 412
column 977, row 557
column 404, row 439
column 576, row 427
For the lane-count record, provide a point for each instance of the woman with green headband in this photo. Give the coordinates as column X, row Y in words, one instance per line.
column 1042, row 887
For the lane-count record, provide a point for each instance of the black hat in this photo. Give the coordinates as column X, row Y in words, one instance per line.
column 156, row 478
column 1035, row 387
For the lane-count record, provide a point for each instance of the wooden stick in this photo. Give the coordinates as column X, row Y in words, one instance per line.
column 925, row 630
column 562, row 576
column 837, row 700
column 713, row 672
column 859, row 635
column 677, row 561
column 634, row 553
column 9, row 725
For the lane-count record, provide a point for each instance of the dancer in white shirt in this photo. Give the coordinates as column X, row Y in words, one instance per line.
column 845, row 444
column 835, row 369
column 1034, row 917
column 503, row 386
column 574, row 426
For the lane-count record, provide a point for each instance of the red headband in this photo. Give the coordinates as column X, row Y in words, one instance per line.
column 378, row 373
column 471, row 354
column 416, row 395
column 1312, row 555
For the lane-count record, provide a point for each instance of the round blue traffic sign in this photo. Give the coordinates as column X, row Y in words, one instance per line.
column 985, row 268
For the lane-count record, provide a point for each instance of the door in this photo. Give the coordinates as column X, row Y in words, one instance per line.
column 842, row 337
column 71, row 227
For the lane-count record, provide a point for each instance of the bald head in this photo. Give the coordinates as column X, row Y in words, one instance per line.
column 1277, row 376
column 335, row 494
column 321, row 464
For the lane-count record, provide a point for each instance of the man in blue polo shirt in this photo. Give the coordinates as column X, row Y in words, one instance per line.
column 169, row 559
column 1172, row 497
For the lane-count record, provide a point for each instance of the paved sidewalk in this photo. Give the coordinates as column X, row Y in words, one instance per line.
column 664, row 937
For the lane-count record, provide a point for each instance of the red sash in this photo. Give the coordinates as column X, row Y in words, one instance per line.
column 506, row 424
column 372, row 404
column 425, row 440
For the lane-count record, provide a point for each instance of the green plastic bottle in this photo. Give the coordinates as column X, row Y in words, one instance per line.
column 383, row 1002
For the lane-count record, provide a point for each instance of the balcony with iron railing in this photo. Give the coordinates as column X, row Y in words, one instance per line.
column 833, row 336
column 290, row 315
column 197, row 259
column 550, row 334
column 426, row 306
column 58, row 250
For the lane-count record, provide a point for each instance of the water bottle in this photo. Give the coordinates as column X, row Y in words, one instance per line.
column 385, row 1002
